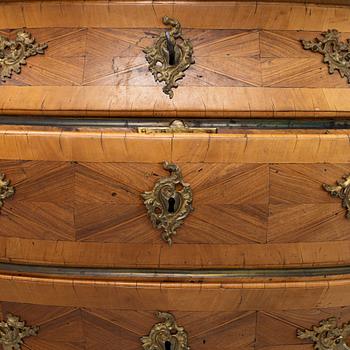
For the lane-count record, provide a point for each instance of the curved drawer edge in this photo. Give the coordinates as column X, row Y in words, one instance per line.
column 230, row 294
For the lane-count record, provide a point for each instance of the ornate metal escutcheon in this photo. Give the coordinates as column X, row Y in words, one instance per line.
column 342, row 191
column 13, row 53
column 166, row 335
column 12, row 332
column 6, row 191
column 327, row 336
column 336, row 53
column 170, row 56
column 169, row 203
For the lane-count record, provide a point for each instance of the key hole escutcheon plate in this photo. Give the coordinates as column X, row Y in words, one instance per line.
column 166, row 335
column 169, row 203
column 170, row 56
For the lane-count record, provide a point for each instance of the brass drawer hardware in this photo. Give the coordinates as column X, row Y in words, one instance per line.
column 342, row 191
column 169, row 203
column 12, row 332
column 176, row 126
column 6, row 191
column 13, row 53
column 166, row 335
column 170, row 56
column 336, row 53
column 327, row 336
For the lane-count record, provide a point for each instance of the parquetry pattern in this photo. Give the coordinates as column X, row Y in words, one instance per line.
column 227, row 58
column 67, row 328
column 234, row 203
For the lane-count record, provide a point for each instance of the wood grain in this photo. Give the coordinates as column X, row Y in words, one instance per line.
column 101, row 145
column 246, row 215
column 112, row 328
column 208, row 14
column 239, row 72
column 282, row 295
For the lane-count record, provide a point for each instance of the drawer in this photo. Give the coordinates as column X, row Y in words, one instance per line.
column 69, row 328
column 257, row 197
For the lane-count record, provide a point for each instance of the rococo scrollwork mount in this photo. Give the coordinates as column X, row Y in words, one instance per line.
column 327, row 336
column 336, row 53
column 170, row 56
column 169, row 203
column 13, row 331
column 13, row 53
column 341, row 190
column 166, row 335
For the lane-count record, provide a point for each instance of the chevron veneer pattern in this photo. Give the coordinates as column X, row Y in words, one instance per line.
column 68, row 328
column 234, row 203
column 224, row 58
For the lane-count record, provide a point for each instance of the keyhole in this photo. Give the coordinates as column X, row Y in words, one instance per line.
column 171, row 49
column 171, row 205
column 167, row 345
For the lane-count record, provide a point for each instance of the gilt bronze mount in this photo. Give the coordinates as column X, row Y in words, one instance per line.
column 6, row 190
column 342, row 191
column 175, row 127
column 170, row 56
column 169, row 203
column 13, row 53
column 336, row 53
column 166, row 335
column 327, row 336
column 12, row 332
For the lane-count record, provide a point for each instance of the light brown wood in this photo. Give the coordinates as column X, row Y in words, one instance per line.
column 240, row 70
column 246, row 215
column 179, row 296
column 25, row 143
column 132, row 14
column 70, row 328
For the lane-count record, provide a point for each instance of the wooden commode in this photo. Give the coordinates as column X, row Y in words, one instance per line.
column 174, row 175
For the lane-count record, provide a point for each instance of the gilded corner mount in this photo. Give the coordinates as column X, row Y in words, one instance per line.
column 13, row 331
column 341, row 190
column 327, row 336
column 170, row 56
column 166, row 335
column 169, row 203
column 6, row 190
column 13, row 53
column 336, row 53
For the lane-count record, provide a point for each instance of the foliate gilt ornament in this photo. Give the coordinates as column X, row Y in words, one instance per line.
column 327, row 336
column 6, row 191
column 336, row 53
column 170, row 56
column 166, row 335
column 12, row 332
column 342, row 191
column 169, row 203
column 13, row 53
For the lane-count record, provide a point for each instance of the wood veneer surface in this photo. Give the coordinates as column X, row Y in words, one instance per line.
column 69, row 328
column 249, row 61
column 246, row 215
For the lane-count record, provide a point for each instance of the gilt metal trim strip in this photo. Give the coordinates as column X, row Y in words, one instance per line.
column 174, row 274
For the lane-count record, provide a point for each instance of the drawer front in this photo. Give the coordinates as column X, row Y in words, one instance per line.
column 69, row 328
column 258, row 199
